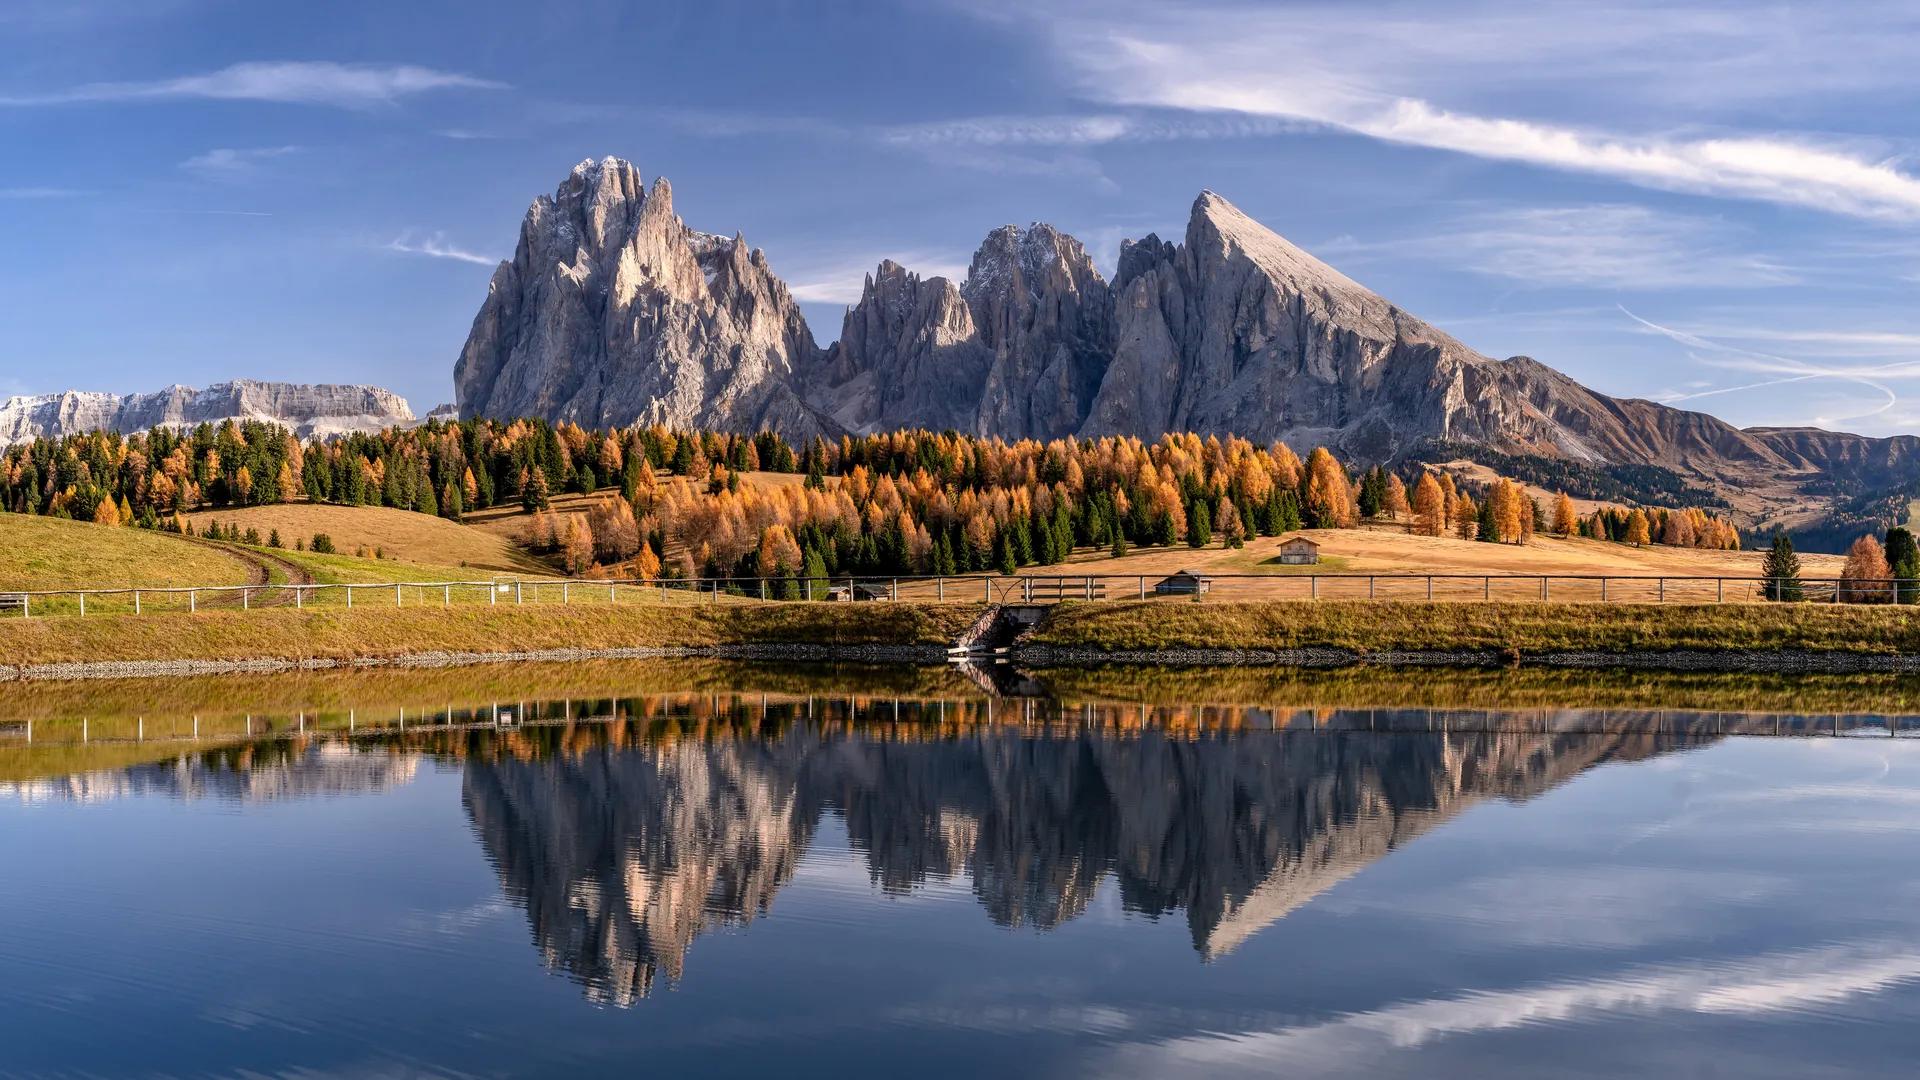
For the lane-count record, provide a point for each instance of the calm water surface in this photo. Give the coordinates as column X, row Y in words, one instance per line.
column 817, row 880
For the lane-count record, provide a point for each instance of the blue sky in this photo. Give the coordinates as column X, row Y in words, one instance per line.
column 1713, row 204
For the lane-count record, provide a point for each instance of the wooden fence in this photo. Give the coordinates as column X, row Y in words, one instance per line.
column 984, row 588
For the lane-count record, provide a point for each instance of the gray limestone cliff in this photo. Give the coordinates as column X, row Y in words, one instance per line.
column 305, row 410
column 613, row 312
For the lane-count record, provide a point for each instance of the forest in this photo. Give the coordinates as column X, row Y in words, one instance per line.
column 903, row 502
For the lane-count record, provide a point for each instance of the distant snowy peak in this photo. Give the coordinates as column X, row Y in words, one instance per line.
column 305, row 410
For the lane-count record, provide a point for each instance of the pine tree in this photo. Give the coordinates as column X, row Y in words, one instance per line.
column 1903, row 558
column 1781, row 571
column 1199, row 525
column 533, row 494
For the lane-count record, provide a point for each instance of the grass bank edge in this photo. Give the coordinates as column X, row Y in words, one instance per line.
column 1383, row 626
column 385, row 633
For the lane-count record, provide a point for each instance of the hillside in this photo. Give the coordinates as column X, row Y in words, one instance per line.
column 398, row 534
column 49, row 553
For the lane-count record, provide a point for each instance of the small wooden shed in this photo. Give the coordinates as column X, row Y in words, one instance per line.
column 1299, row 551
column 1183, row 583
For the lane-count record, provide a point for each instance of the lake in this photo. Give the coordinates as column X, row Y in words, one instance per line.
column 697, row 869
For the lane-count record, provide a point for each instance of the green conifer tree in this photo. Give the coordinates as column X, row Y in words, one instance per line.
column 1781, row 571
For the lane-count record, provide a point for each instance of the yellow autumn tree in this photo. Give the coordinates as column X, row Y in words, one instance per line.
column 1864, row 578
column 1637, row 534
column 1429, row 506
column 577, row 548
column 1565, row 521
column 1508, row 508
column 1395, row 503
column 646, row 565
column 1329, row 494
column 1466, row 516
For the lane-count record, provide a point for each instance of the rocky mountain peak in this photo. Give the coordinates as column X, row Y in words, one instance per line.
column 612, row 311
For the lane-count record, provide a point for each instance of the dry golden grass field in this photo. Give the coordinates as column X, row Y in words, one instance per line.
column 1391, row 550
column 400, row 534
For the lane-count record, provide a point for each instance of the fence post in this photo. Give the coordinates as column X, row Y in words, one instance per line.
column 493, row 592
column 1719, row 590
column 246, row 601
column 1429, row 586
column 566, row 588
column 446, row 596
column 940, row 588
column 396, row 594
column 1543, row 588
column 1603, row 588
column 1663, row 590
column 136, row 601
column 1486, row 588
column 610, row 599
column 83, row 605
column 987, row 582
column 349, row 589
column 1143, row 586
column 193, row 600
column 1027, row 585
column 299, row 597
column 1370, row 582
column 893, row 589
column 1313, row 586
column 516, row 592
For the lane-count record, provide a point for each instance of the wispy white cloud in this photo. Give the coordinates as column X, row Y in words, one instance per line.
column 1608, row 245
column 1219, row 59
column 1785, row 371
column 1094, row 129
column 1358, row 1043
column 435, row 245
column 841, row 280
column 229, row 163
column 304, row 82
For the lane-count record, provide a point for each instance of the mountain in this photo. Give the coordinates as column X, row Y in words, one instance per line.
column 612, row 311
column 306, row 410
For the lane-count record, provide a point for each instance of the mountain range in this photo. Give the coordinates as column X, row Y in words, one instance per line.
column 613, row 311
column 305, row 410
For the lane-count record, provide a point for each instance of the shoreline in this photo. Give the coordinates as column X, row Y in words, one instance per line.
column 916, row 655
column 1324, row 635
column 1721, row 661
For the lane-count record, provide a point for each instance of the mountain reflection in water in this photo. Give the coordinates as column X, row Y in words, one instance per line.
column 623, row 855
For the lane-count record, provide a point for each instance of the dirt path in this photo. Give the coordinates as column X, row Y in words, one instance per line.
column 260, row 567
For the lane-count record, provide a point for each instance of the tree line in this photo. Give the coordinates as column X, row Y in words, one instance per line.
column 903, row 502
